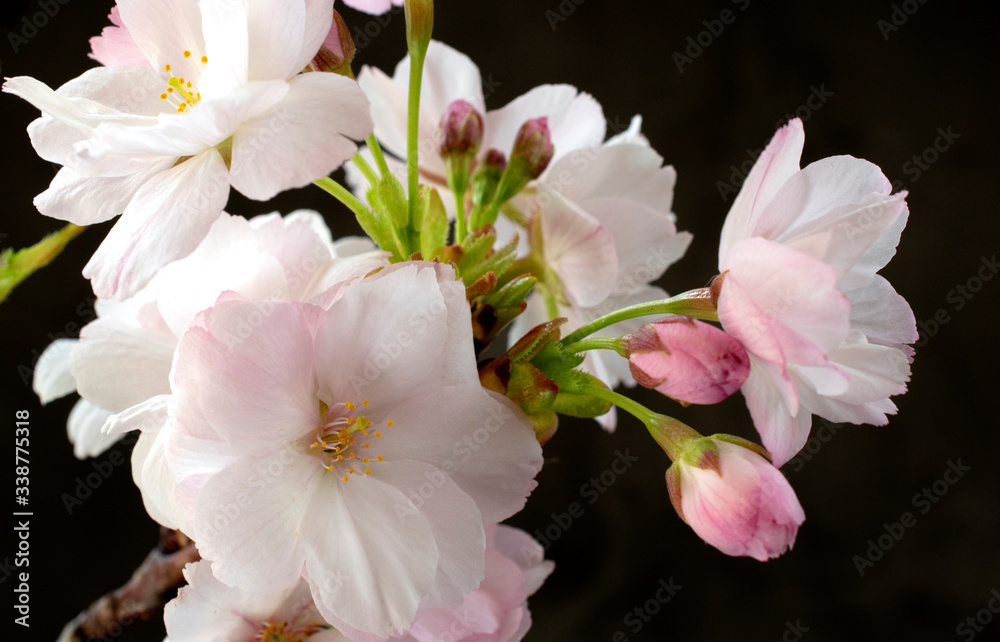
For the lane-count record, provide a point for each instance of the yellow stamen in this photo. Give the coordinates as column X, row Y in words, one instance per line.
column 378, row 435
column 187, row 54
column 166, row 67
column 380, row 458
column 344, row 478
column 365, row 402
column 163, row 96
column 368, row 471
column 204, row 59
column 389, row 423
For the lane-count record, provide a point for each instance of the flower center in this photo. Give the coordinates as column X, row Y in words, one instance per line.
column 180, row 91
column 283, row 632
column 344, row 439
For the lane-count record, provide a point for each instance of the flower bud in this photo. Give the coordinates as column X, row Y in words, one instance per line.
column 419, row 25
column 337, row 51
column 461, row 130
column 485, row 180
column 687, row 360
column 533, row 146
column 739, row 503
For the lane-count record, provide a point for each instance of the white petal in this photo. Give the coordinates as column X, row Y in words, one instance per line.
column 250, row 519
column 84, row 428
column 164, row 30
column 152, row 476
column 119, row 363
column 302, row 138
column 169, row 215
column 478, row 437
column 576, row 120
column 455, row 521
column 52, row 376
column 883, row 316
column 579, row 249
column 781, row 433
column 84, row 200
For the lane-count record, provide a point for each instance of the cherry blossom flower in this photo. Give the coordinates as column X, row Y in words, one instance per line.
column 352, row 445
column 123, row 357
column 206, row 610
column 215, row 100
column 799, row 254
column 737, row 501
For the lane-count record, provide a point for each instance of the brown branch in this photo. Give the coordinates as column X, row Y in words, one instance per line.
column 142, row 597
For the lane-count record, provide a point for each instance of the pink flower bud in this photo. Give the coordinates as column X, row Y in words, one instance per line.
column 533, row 146
column 337, row 51
column 461, row 130
column 687, row 360
column 740, row 503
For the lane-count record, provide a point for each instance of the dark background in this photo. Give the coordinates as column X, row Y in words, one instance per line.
column 890, row 97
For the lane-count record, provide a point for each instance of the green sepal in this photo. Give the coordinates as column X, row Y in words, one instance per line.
column 560, row 366
column 497, row 261
column 743, row 443
column 433, row 223
column 581, row 405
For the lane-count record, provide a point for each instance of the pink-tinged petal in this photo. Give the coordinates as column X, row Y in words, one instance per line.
column 576, row 120
column 846, row 234
column 687, row 360
column 745, row 508
column 162, row 44
column 782, row 305
column 84, row 428
column 578, row 248
column 646, row 240
column 776, row 164
column 811, row 194
column 482, row 440
column 371, row 558
column 527, row 553
column 782, row 432
column 421, row 345
column 875, row 373
column 478, row 617
column 250, row 519
column 318, row 26
column 167, row 218
column 455, row 522
column 631, row 172
column 881, row 249
column 119, row 363
column 52, row 377
column 302, row 138
column 883, row 316
column 84, row 201
column 248, row 376
column 115, row 45
column 206, row 609
column 230, row 258
column 374, row 7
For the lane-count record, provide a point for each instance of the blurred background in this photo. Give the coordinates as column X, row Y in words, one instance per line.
column 910, row 86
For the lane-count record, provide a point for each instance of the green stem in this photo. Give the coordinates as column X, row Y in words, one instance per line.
column 342, row 194
column 459, row 218
column 598, row 343
column 694, row 303
column 376, row 149
column 673, row 436
column 15, row 267
column 366, row 169
column 413, row 129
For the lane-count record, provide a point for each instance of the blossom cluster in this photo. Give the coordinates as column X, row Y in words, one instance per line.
column 317, row 415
